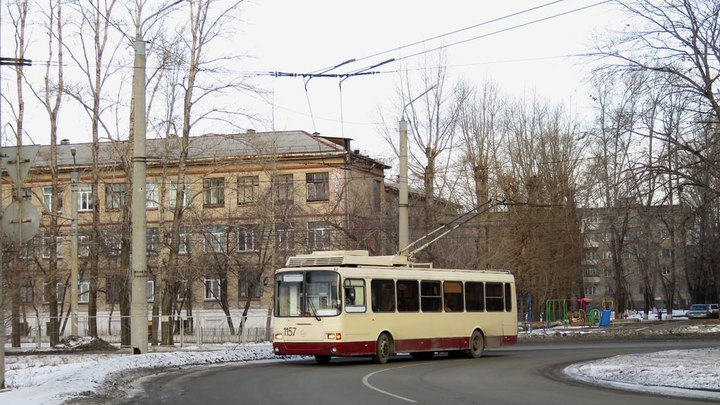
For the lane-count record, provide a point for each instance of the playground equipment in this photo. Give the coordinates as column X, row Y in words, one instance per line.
column 557, row 313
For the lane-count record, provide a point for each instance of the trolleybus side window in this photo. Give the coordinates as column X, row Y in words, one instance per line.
column 354, row 290
column 408, row 296
column 474, row 296
column 382, row 295
column 508, row 298
column 494, row 299
column 453, row 296
column 431, row 297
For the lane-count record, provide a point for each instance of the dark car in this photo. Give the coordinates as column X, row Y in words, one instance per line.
column 698, row 311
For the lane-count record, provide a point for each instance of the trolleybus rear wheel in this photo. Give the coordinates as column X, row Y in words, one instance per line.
column 322, row 359
column 477, row 344
column 383, row 349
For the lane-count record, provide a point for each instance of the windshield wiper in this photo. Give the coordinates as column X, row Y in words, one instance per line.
column 313, row 309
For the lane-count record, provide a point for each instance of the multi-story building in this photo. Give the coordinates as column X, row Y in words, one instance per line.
column 636, row 252
column 223, row 212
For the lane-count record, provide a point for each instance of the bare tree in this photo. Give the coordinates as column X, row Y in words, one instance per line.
column 676, row 41
column 539, row 184
column 51, row 98
column 480, row 126
column 95, row 59
column 200, row 81
column 18, row 11
column 431, row 135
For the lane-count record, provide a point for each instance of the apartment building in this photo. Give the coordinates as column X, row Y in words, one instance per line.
column 638, row 251
column 223, row 212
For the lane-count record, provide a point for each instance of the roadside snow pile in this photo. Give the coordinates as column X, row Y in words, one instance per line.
column 47, row 379
column 627, row 329
column 688, row 373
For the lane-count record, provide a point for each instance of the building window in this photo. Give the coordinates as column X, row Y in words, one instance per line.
column 150, row 291
column 592, row 272
column 27, row 250
column 377, row 193
column 113, row 243
column 284, row 237
column 47, row 248
column 282, row 186
column 27, row 293
column 83, row 292
column 83, row 245
column 666, row 270
column 247, row 239
column 248, row 189
column 214, row 190
column 246, row 291
column 181, row 189
column 183, row 290
column 115, row 196
column 184, row 243
column 318, row 235
column 666, row 253
column 212, row 289
column 215, row 239
column 85, row 198
column 590, row 290
column 152, row 240
column 47, row 200
column 317, row 186
column 151, row 195
column 59, row 292
column 114, row 286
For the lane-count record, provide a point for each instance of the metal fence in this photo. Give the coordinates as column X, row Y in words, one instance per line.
column 198, row 329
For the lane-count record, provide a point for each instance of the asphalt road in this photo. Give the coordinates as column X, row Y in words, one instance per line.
column 523, row 374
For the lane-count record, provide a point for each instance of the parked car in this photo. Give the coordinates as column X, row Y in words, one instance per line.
column 698, row 311
column 714, row 313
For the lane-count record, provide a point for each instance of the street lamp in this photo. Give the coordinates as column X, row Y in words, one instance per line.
column 138, row 294
column 74, row 246
column 403, row 222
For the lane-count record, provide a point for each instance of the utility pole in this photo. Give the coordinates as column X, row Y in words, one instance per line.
column 139, row 274
column 73, row 247
column 403, row 221
column 138, row 294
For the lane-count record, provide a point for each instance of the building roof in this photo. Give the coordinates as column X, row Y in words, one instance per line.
column 249, row 144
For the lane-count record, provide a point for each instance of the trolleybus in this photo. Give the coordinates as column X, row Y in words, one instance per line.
column 347, row 303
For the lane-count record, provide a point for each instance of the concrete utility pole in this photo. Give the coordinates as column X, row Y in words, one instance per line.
column 403, row 221
column 73, row 247
column 2, row 302
column 138, row 294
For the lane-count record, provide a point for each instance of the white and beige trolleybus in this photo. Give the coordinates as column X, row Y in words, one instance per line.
column 347, row 303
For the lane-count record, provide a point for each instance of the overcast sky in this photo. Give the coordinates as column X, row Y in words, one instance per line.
column 524, row 54
column 306, row 36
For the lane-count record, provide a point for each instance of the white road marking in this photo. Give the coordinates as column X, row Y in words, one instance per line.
column 367, row 384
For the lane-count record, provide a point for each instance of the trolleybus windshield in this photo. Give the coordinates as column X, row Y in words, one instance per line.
column 312, row 293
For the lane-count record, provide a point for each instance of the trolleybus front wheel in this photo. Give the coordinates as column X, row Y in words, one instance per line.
column 383, row 349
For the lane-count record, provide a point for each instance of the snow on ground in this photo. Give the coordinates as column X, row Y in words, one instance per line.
column 685, row 373
column 54, row 378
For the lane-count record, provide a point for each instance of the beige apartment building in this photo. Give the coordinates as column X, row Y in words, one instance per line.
column 218, row 222
column 639, row 251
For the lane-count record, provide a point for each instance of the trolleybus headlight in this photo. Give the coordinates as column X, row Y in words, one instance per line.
column 334, row 336
column 278, row 336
